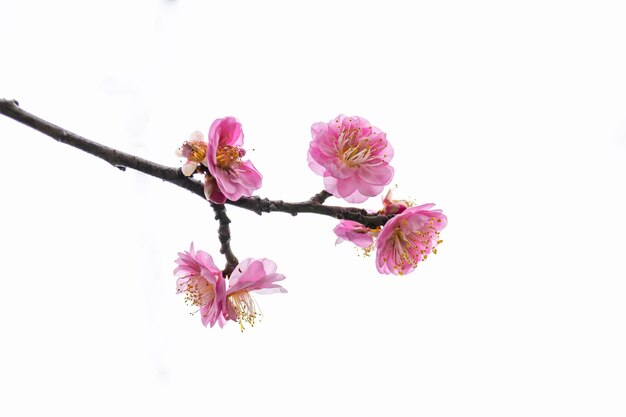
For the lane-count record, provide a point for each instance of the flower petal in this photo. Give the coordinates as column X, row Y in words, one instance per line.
column 379, row 175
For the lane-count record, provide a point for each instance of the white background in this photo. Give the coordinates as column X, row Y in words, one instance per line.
column 510, row 116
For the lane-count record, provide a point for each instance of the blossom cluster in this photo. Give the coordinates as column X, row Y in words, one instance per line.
column 204, row 287
column 405, row 240
column 353, row 157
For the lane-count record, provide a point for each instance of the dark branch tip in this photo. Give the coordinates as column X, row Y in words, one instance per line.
column 10, row 101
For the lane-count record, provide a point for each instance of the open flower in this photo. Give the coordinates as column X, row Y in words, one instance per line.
column 408, row 238
column 352, row 156
column 195, row 152
column 251, row 275
column 233, row 176
column 354, row 232
column 202, row 283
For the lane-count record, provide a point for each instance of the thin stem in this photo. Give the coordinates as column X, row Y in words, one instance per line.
column 320, row 197
column 123, row 160
column 223, row 233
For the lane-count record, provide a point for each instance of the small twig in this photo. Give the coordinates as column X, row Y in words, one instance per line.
column 320, row 197
column 224, row 236
column 122, row 160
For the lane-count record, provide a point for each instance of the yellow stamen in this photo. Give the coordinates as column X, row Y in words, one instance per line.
column 354, row 149
column 199, row 292
column 194, row 151
column 227, row 156
column 245, row 307
column 410, row 248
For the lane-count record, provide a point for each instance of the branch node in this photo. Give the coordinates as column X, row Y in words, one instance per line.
column 320, row 197
column 257, row 207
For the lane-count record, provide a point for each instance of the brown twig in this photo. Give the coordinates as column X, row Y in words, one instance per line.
column 223, row 233
column 320, row 197
column 122, row 160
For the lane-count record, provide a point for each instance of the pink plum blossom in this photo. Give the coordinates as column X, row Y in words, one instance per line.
column 233, row 176
column 354, row 232
column 202, row 283
column 251, row 275
column 408, row 238
column 195, row 152
column 352, row 156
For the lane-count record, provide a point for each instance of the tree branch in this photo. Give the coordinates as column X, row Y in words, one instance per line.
column 122, row 160
column 224, row 236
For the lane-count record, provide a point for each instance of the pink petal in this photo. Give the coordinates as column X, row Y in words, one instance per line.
column 377, row 175
column 249, row 176
column 345, row 187
column 356, row 197
column 317, row 168
column 369, row 189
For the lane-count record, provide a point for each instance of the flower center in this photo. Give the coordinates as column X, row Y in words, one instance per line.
column 227, row 156
column 194, row 151
column 402, row 246
column 244, row 306
column 409, row 248
column 199, row 292
column 353, row 150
